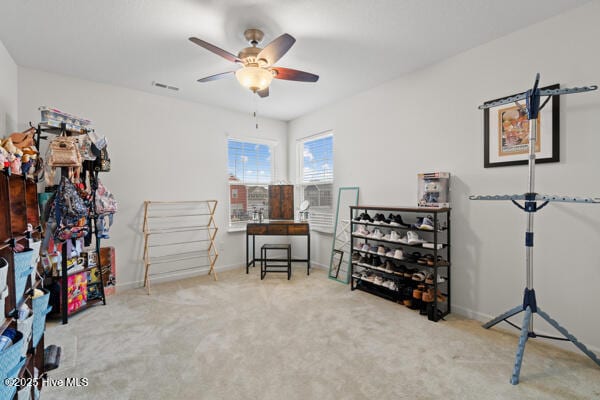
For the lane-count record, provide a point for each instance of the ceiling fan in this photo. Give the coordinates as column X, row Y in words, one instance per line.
column 257, row 70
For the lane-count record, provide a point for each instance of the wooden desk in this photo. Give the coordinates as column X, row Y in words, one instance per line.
column 277, row 228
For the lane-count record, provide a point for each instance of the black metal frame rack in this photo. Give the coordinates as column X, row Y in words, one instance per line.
column 439, row 236
column 64, row 312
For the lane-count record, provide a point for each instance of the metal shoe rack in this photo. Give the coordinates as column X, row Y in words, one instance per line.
column 439, row 236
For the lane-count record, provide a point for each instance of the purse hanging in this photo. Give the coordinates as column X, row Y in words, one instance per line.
column 63, row 152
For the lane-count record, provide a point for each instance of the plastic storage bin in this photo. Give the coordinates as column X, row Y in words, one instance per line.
column 8, row 392
column 22, row 271
column 25, row 326
column 10, row 357
column 40, row 310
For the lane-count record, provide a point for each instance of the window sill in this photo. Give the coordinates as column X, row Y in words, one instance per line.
column 234, row 229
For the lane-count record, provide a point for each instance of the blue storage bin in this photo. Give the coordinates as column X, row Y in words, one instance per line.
column 10, row 356
column 8, row 392
column 39, row 324
column 23, row 269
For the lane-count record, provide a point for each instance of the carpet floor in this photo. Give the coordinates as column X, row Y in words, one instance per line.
column 308, row 338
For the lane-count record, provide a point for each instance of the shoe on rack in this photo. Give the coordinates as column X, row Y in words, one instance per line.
column 379, row 219
column 358, row 218
column 378, row 280
column 394, row 237
column 387, row 237
column 359, row 246
column 397, row 221
column 376, row 261
column 427, row 223
column 390, row 253
column 417, row 224
column 399, row 254
column 418, row 277
column 365, row 248
column 361, row 231
column 429, row 280
column 365, row 259
column 373, row 249
column 403, row 239
column 413, row 238
column 366, row 218
column 376, row 234
column 355, row 256
column 381, row 251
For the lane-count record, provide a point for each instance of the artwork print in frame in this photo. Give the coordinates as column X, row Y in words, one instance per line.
column 506, row 134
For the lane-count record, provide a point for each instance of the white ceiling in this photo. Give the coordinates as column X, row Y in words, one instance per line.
column 352, row 44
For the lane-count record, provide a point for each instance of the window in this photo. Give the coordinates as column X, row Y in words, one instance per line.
column 250, row 170
column 315, row 179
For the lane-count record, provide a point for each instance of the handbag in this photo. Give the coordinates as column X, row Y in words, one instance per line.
column 63, row 152
column 105, row 200
column 102, row 162
column 84, row 145
column 70, row 212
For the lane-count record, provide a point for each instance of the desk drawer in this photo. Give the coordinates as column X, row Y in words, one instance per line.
column 277, row 229
column 254, row 229
column 298, row 229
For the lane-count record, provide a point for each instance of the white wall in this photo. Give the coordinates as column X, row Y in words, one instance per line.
column 8, row 93
column 160, row 148
column 428, row 121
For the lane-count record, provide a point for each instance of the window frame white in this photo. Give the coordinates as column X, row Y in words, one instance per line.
column 235, row 226
column 321, row 219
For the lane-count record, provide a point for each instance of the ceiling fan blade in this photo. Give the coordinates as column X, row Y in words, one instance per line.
column 276, row 49
column 225, row 54
column 263, row 93
column 289, row 74
column 222, row 75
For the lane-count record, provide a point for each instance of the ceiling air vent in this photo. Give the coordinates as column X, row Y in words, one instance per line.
column 162, row 85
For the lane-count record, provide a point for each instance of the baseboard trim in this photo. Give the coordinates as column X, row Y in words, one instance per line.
column 483, row 317
column 176, row 275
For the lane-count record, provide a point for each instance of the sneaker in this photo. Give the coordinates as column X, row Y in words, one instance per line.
column 365, row 259
column 366, row 218
column 386, row 237
column 413, row 238
column 376, row 262
column 418, row 224
column 394, row 237
column 366, row 248
column 381, row 251
column 378, row 280
column 397, row 221
column 388, row 266
column 403, row 239
column 398, row 254
column 358, row 218
column 376, row 234
column 373, row 249
column 355, row 256
column 427, row 224
column 390, row 253
column 379, row 219
column 361, row 231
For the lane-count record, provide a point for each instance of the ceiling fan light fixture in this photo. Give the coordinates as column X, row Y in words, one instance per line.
column 254, row 78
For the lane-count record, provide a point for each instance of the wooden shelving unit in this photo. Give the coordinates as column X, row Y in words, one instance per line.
column 19, row 207
column 176, row 231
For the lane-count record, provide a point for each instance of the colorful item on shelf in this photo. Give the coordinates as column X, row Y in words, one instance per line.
column 76, row 291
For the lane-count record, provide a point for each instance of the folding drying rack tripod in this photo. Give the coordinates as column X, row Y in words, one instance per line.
column 531, row 198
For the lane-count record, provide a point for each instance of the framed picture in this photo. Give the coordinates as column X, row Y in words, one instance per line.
column 506, row 133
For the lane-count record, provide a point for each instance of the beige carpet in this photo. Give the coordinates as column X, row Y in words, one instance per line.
column 308, row 338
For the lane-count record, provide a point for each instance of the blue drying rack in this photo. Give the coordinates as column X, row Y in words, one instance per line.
column 530, row 206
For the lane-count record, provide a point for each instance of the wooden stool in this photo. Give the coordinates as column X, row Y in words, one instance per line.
column 266, row 263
